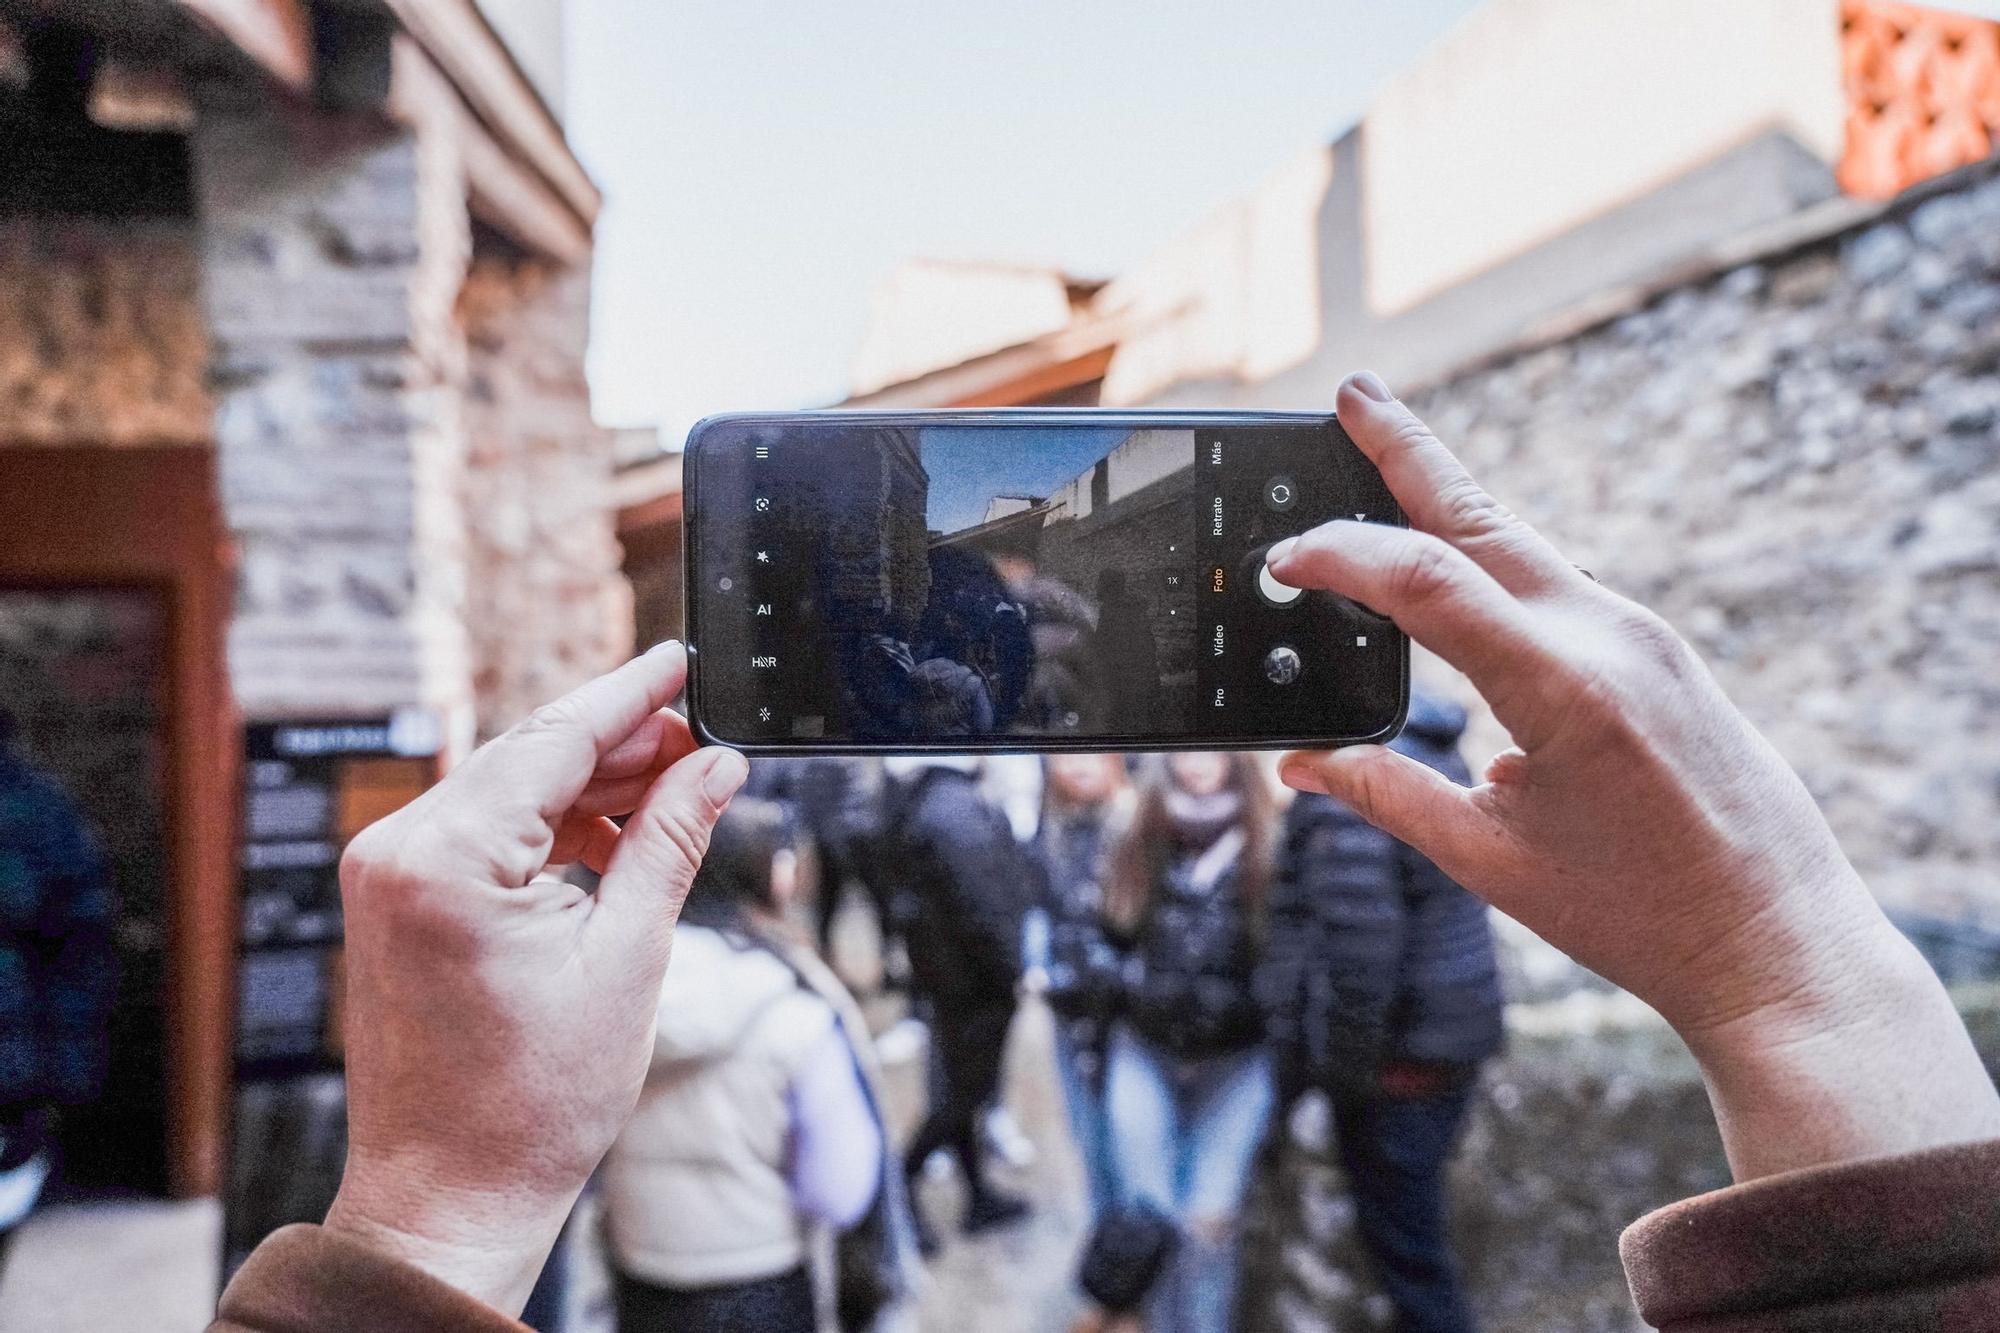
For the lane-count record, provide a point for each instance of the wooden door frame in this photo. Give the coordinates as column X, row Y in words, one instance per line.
column 89, row 517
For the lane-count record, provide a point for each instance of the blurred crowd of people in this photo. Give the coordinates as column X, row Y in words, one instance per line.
column 1208, row 958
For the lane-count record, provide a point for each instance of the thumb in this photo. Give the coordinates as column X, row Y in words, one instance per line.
column 1410, row 801
column 659, row 849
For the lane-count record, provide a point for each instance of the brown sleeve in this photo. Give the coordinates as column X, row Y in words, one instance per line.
column 1909, row 1242
column 303, row 1279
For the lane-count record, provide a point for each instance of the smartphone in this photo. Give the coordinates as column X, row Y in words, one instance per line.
column 1026, row 579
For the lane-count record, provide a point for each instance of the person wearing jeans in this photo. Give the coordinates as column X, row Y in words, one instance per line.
column 1188, row 1090
column 1081, row 810
column 1381, row 990
column 1186, row 1134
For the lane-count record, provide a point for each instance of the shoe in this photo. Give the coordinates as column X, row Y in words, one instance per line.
column 905, row 1043
column 1006, row 1141
column 990, row 1210
column 928, row 1243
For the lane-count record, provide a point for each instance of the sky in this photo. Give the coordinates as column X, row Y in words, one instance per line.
column 765, row 162
column 966, row 471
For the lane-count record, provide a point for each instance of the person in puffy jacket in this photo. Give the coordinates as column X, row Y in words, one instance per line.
column 58, row 972
column 1382, row 991
column 966, row 884
column 754, row 1124
column 1083, row 807
column 1188, row 1085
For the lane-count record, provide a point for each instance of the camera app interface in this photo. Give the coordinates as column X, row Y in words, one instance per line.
column 953, row 581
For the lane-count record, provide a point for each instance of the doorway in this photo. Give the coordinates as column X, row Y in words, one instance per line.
column 81, row 671
column 113, row 598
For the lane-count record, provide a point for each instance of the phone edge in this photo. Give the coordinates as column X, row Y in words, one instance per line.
column 1042, row 745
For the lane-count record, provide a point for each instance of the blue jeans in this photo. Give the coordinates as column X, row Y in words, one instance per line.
column 1080, row 1071
column 1185, row 1135
column 1396, row 1151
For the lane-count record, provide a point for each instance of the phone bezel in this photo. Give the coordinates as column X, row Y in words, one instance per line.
column 1139, row 418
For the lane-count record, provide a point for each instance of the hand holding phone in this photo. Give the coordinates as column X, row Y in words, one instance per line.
column 1642, row 826
column 1027, row 580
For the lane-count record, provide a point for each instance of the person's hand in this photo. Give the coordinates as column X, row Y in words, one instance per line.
column 1641, row 825
column 498, row 1024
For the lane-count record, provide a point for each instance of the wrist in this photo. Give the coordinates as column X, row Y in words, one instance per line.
column 490, row 1244
column 1859, row 1054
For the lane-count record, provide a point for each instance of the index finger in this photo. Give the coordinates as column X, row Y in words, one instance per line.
column 1439, row 495
column 1439, row 597
column 551, row 755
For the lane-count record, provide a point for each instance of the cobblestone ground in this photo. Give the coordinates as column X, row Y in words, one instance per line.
column 1019, row 1280
column 150, row 1267
column 113, row 1267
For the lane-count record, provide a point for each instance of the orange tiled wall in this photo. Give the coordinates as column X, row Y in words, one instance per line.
column 1923, row 93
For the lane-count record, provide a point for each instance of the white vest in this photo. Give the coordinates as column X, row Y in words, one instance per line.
column 695, row 1188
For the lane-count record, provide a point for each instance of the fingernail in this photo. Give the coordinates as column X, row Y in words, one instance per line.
column 1370, row 385
column 1301, row 776
column 1279, row 550
column 725, row 774
column 662, row 646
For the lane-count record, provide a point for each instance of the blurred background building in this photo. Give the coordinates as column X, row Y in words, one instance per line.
column 1712, row 294
column 1646, row 264
column 300, row 495
column 297, row 452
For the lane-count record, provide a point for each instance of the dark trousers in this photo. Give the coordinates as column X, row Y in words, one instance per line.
column 1395, row 1151
column 781, row 1304
column 969, row 1045
column 544, row 1310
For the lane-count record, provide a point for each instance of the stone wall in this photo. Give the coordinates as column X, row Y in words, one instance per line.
column 1798, row 463
column 1595, row 1116
column 332, row 253
column 101, row 335
column 547, row 605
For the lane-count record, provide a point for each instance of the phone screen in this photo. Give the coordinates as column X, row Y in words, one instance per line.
column 962, row 581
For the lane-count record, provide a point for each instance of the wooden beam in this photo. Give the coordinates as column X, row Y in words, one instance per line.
column 276, row 34
column 661, row 510
column 514, row 200
column 1041, row 381
column 473, row 57
column 505, row 193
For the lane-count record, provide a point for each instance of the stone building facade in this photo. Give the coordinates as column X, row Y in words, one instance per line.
column 1796, row 460
column 101, row 335
column 324, row 269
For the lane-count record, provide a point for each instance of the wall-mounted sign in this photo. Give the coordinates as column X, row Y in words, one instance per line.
column 308, row 787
